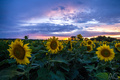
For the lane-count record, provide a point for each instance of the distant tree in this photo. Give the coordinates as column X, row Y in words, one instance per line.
column 80, row 37
column 104, row 38
column 73, row 37
column 86, row 39
column 25, row 37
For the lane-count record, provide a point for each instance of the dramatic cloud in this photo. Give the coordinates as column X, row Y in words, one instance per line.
column 62, row 18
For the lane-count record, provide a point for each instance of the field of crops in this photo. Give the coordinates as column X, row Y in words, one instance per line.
column 55, row 59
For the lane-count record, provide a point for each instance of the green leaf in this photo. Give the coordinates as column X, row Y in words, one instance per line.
column 43, row 74
column 94, row 59
column 90, row 67
column 102, row 76
column 66, row 68
column 91, row 52
column 10, row 61
column 83, row 48
column 9, row 73
column 59, row 61
column 84, row 61
column 117, row 56
column 58, row 76
column 53, row 76
column 61, row 75
column 42, row 51
column 3, row 62
column 74, row 74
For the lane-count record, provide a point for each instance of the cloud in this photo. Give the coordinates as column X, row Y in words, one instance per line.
column 59, row 8
column 59, row 18
column 47, row 28
column 104, row 11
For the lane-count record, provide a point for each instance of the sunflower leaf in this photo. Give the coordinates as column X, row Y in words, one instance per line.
column 3, row 62
column 102, row 76
column 10, row 61
column 59, row 61
column 43, row 51
column 9, row 73
column 58, row 76
column 90, row 67
column 43, row 74
column 74, row 73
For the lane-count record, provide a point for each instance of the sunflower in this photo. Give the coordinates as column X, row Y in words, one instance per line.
column 69, row 45
column 83, row 43
column 60, row 46
column 89, row 42
column 53, row 45
column 118, row 77
column 94, row 41
column 69, row 40
column 105, row 53
column 89, row 48
column 46, row 54
column 117, row 46
column 104, row 42
column 94, row 45
column 100, row 43
column 20, row 52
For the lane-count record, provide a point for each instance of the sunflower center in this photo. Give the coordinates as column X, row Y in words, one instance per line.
column 59, row 47
column 105, row 53
column 69, row 46
column 19, row 52
column 104, row 42
column 53, row 45
column 89, row 42
column 118, row 46
column 88, row 48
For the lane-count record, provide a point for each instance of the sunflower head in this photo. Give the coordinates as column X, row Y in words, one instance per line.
column 46, row 54
column 94, row 40
column 19, row 52
column 104, row 42
column 89, row 42
column 60, row 46
column 70, row 46
column 83, row 43
column 118, row 77
column 117, row 46
column 105, row 53
column 53, row 45
column 69, row 40
column 89, row 48
column 94, row 45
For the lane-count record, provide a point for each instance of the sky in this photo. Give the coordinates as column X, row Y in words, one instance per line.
column 42, row 19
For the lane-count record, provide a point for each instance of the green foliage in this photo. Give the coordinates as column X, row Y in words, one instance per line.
column 25, row 37
column 77, row 64
column 80, row 37
column 9, row 73
column 102, row 76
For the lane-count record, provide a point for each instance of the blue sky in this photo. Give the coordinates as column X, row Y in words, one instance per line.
column 41, row 19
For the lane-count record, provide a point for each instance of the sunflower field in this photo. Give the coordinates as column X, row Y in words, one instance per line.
column 55, row 59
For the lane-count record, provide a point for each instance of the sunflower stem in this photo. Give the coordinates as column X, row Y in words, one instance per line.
column 49, row 62
column 28, row 72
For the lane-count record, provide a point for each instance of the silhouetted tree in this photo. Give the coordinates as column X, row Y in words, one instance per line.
column 73, row 37
column 80, row 37
column 104, row 38
column 26, row 37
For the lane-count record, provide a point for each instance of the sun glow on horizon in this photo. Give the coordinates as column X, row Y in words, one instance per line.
column 65, row 39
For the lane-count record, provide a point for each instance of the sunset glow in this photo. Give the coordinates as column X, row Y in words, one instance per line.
column 61, row 18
